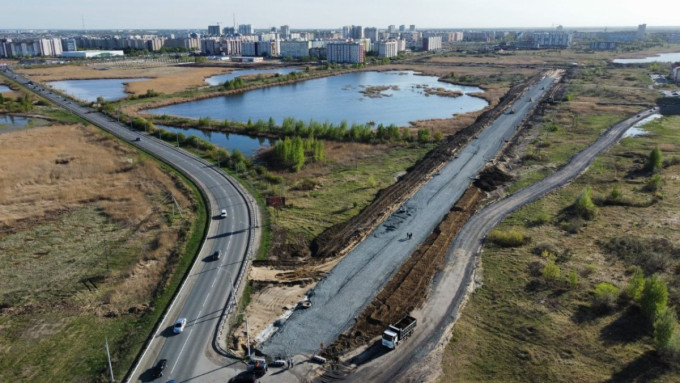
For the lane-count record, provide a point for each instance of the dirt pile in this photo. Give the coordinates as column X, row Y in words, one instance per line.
column 338, row 239
column 492, row 177
column 408, row 288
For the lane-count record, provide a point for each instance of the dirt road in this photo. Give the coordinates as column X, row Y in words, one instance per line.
column 452, row 285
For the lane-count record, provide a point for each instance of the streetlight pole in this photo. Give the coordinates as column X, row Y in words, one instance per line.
column 108, row 357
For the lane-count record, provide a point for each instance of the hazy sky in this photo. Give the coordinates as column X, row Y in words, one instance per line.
column 198, row 14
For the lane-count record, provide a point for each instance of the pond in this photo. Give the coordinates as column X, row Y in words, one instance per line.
column 247, row 145
column 660, row 58
column 88, row 90
column 221, row 78
column 8, row 123
column 4, row 88
column 637, row 130
column 395, row 97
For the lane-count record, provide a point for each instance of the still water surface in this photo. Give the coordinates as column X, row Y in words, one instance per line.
column 8, row 123
column 660, row 58
column 339, row 98
column 249, row 146
column 88, row 90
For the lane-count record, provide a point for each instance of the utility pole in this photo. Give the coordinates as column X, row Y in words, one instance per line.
column 108, row 357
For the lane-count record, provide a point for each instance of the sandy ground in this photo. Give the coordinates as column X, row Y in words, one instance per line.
column 280, row 291
column 164, row 79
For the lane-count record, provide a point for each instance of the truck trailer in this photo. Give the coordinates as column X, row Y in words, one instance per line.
column 398, row 332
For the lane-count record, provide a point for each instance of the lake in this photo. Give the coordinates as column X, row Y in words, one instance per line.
column 245, row 144
column 4, row 89
column 339, row 98
column 8, row 123
column 88, row 90
column 221, row 78
column 660, row 58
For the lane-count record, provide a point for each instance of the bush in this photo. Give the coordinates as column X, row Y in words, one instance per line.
column 665, row 327
column 551, row 272
column 654, row 183
column 510, row 238
column 636, row 284
column 538, row 219
column 654, row 298
column 605, row 295
column 573, row 279
column 584, row 206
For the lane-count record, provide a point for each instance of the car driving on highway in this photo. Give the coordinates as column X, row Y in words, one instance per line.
column 179, row 325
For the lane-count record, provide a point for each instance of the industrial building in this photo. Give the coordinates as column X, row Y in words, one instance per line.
column 91, row 54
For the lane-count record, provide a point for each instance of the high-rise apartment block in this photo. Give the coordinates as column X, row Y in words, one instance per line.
column 432, row 43
column 345, row 52
column 373, row 34
column 285, row 32
column 357, row 32
column 295, row 49
column 214, row 30
column 245, row 29
column 386, row 48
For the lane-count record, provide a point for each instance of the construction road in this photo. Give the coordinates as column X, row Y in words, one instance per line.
column 452, row 284
column 361, row 274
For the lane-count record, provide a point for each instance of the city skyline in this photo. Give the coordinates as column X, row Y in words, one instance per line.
column 307, row 14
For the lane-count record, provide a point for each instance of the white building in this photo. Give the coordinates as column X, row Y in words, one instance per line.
column 387, row 48
column 345, row 52
column 92, row 54
column 432, row 43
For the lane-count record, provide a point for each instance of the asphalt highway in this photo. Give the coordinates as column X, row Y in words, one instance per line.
column 360, row 275
column 210, row 283
column 452, row 284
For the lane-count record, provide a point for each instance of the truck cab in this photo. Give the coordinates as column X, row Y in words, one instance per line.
column 389, row 338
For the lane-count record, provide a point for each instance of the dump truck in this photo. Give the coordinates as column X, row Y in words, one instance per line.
column 398, row 332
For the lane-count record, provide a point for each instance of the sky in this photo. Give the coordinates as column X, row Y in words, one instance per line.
column 333, row 14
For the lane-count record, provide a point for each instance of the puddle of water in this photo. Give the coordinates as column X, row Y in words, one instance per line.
column 637, row 130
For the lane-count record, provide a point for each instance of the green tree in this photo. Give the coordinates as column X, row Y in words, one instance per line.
column 636, row 285
column 584, row 206
column 665, row 327
column 654, row 161
column 423, row 135
column 654, row 298
column 605, row 295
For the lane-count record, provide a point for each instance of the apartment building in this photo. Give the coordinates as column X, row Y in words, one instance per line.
column 387, row 49
column 432, row 43
column 295, row 49
column 345, row 52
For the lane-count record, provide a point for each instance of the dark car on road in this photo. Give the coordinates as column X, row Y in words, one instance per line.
column 160, row 366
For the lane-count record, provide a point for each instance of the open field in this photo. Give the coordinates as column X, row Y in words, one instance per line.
column 518, row 327
column 165, row 79
column 88, row 237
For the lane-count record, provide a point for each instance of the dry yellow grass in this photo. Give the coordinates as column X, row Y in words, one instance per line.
column 47, row 172
column 165, row 79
